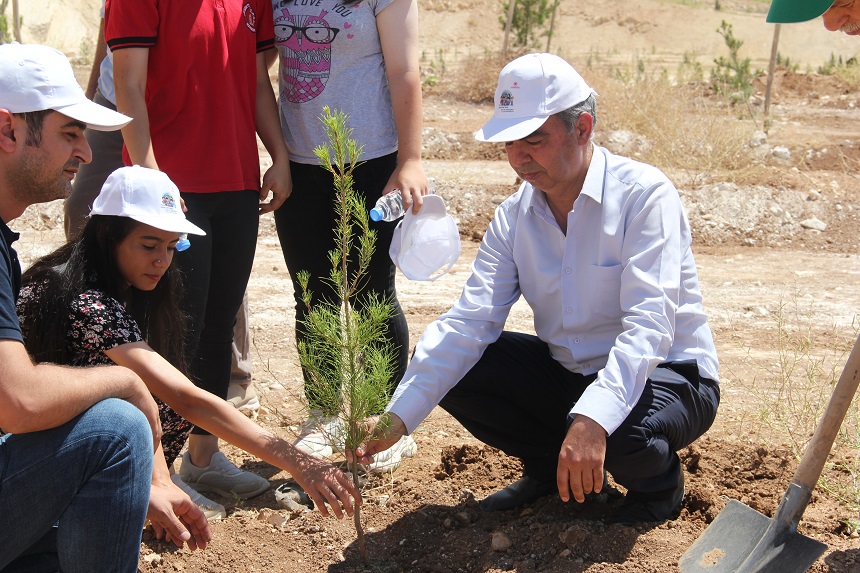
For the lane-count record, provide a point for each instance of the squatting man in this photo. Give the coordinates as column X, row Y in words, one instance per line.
column 622, row 371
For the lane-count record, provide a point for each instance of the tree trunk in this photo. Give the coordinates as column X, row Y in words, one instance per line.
column 508, row 24
column 362, row 548
column 16, row 21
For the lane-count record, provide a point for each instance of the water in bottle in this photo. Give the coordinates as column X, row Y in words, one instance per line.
column 389, row 207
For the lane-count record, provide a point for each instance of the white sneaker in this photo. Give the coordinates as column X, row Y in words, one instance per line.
column 244, row 397
column 222, row 477
column 213, row 511
column 389, row 460
column 320, row 436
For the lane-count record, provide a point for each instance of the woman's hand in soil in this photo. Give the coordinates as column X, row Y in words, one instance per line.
column 327, row 485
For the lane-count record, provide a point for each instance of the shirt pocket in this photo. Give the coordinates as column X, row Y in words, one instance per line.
column 605, row 287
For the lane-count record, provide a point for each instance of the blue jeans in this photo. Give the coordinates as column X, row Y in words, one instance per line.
column 74, row 498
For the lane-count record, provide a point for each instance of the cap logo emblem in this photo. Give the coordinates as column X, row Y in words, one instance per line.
column 506, row 100
column 168, row 202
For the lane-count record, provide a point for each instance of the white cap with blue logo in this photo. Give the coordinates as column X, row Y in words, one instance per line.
column 532, row 88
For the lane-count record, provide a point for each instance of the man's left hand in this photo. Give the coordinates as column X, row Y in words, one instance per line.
column 277, row 180
column 580, row 462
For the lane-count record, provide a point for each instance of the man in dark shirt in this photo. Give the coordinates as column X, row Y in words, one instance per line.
column 76, row 444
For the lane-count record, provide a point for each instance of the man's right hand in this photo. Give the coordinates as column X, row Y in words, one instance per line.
column 386, row 432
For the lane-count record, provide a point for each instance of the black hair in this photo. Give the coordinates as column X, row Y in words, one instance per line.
column 89, row 262
column 35, row 120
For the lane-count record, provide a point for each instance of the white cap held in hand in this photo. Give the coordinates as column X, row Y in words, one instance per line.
column 427, row 242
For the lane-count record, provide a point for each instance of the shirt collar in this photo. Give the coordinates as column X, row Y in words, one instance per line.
column 596, row 175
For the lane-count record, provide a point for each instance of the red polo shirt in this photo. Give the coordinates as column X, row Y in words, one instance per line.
column 201, row 84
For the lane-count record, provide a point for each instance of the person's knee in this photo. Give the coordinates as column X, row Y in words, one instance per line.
column 636, row 452
column 120, row 420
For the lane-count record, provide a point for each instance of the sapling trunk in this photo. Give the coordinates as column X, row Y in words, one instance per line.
column 347, row 360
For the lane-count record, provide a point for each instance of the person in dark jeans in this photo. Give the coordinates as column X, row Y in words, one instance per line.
column 76, row 444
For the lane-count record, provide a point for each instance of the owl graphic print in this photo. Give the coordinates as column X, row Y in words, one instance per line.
column 330, row 55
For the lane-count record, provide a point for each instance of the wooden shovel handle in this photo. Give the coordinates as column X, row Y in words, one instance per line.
column 819, row 447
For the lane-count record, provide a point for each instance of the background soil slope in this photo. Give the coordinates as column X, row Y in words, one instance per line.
column 760, row 260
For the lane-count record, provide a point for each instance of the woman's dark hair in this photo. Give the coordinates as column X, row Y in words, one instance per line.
column 90, row 263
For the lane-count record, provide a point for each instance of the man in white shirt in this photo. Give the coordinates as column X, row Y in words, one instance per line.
column 623, row 370
column 839, row 16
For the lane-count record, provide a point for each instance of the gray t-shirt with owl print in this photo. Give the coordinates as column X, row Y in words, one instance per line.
column 330, row 55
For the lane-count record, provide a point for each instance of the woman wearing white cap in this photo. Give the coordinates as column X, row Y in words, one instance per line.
column 112, row 296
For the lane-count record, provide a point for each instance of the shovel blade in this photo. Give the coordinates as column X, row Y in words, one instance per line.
column 736, row 534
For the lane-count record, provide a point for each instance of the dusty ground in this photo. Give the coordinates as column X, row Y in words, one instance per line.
column 756, row 255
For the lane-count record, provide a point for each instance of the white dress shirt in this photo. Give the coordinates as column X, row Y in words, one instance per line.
column 617, row 295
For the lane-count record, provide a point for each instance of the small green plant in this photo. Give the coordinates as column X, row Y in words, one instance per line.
column 690, row 69
column 786, row 63
column 732, row 76
column 845, row 69
column 85, row 52
column 4, row 22
column 348, row 362
column 530, row 19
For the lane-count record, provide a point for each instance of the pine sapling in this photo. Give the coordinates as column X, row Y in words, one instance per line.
column 347, row 359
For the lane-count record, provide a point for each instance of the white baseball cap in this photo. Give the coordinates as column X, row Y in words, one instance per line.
column 145, row 195
column 427, row 242
column 38, row 78
column 532, row 88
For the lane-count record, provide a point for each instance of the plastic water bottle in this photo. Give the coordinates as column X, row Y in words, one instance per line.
column 183, row 242
column 389, row 207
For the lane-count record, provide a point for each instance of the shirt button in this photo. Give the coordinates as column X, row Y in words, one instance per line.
column 569, row 309
column 587, row 364
column 576, row 340
column 568, row 270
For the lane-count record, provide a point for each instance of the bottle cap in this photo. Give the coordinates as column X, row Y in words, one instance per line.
column 426, row 243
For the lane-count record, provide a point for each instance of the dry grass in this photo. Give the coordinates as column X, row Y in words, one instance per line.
column 686, row 126
column 791, row 389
